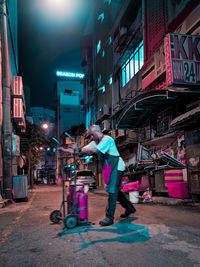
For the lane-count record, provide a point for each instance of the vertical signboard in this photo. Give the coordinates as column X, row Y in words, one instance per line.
column 182, row 56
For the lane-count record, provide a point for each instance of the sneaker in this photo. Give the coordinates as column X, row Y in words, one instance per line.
column 106, row 222
column 128, row 212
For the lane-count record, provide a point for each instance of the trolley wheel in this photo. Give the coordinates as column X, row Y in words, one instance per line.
column 70, row 221
column 55, row 216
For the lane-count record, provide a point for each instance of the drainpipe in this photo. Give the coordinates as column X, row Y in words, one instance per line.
column 6, row 88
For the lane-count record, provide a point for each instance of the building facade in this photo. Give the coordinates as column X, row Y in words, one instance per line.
column 12, row 103
column 69, row 104
column 152, row 106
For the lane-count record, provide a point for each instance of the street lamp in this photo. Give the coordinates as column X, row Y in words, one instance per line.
column 45, row 125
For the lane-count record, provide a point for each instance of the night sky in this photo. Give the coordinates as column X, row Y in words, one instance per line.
column 49, row 40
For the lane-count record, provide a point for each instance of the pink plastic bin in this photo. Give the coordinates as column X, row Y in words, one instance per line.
column 178, row 190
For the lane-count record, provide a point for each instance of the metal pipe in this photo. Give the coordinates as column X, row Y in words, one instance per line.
column 6, row 87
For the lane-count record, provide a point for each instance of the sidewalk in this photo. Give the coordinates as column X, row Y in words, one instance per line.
column 5, row 202
column 160, row 200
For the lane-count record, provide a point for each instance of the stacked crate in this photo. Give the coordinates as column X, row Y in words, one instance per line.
column 175, row 184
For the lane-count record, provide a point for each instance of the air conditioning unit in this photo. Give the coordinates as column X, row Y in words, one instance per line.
column 18, row 111
column 132, row 134
column 113, row 134
column 105, row 125
column 105, row 110
column 15, row 145
column 18, row 86
column 98, row 115
column 120, row 133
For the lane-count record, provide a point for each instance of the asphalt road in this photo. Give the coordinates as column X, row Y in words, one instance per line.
column 156, row 235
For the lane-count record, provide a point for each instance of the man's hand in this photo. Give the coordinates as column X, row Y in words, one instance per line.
column 74, row 146
column 66, row 150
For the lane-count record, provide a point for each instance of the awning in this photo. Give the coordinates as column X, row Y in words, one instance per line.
column 162, row 140
column 146, row 104
column 185, row 117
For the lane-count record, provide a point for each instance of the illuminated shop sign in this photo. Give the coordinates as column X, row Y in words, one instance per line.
column 182, row 57
column 70, row 74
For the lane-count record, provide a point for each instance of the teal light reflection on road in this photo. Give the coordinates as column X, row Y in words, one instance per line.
column 123, row 232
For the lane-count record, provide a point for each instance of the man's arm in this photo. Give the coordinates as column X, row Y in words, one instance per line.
column 66, row 150
column 88, row 150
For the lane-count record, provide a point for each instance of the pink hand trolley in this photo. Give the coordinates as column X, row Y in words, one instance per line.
column 77, row 202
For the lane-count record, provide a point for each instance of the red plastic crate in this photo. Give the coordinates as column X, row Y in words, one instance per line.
column 178, row 190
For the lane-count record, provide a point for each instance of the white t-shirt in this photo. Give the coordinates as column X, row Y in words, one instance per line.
column 107, row 145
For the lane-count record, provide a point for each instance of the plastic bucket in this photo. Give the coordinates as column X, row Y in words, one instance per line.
column 134, row 197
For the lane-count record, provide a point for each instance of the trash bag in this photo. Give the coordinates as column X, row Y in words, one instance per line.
column 124, row 181
column 133, row 186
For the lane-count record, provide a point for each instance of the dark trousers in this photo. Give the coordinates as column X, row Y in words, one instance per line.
column 118, row 195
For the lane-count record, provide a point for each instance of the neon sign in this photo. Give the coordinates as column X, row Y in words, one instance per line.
column 70, row 74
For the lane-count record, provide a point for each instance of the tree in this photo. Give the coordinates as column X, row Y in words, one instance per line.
column 32, row 145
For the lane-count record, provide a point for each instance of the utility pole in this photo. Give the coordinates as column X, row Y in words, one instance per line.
column 6, row 89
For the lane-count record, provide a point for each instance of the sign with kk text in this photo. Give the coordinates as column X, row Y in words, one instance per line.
column 182, row 57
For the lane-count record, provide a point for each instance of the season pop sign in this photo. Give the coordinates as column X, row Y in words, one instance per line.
column 182, row 58
column 70, row 74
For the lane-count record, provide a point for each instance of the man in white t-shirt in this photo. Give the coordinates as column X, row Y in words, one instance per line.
column 105, row 148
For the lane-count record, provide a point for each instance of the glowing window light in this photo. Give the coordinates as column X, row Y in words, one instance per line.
column 99, row 81
column 102, row 88
column 70, row 74
column 98, row 46
column 101, row 17
column 136, row 62
column 133, row 64
column 110, row 80
column 123, row 77
column 103, row 53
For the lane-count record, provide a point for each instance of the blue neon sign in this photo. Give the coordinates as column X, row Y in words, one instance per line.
column 70, row 74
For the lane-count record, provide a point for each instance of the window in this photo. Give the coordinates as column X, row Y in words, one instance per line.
column 141, row 55
column 123, row 76
column 133, row 64
column 107, row 1
column 136, row 57
column 163, row 121
column 110, row 79
column 68, row 92
column 109, row 40
column 99, row 81
column 102, row 88
column 132, row 69
column 101, row 17
column 98, row 46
